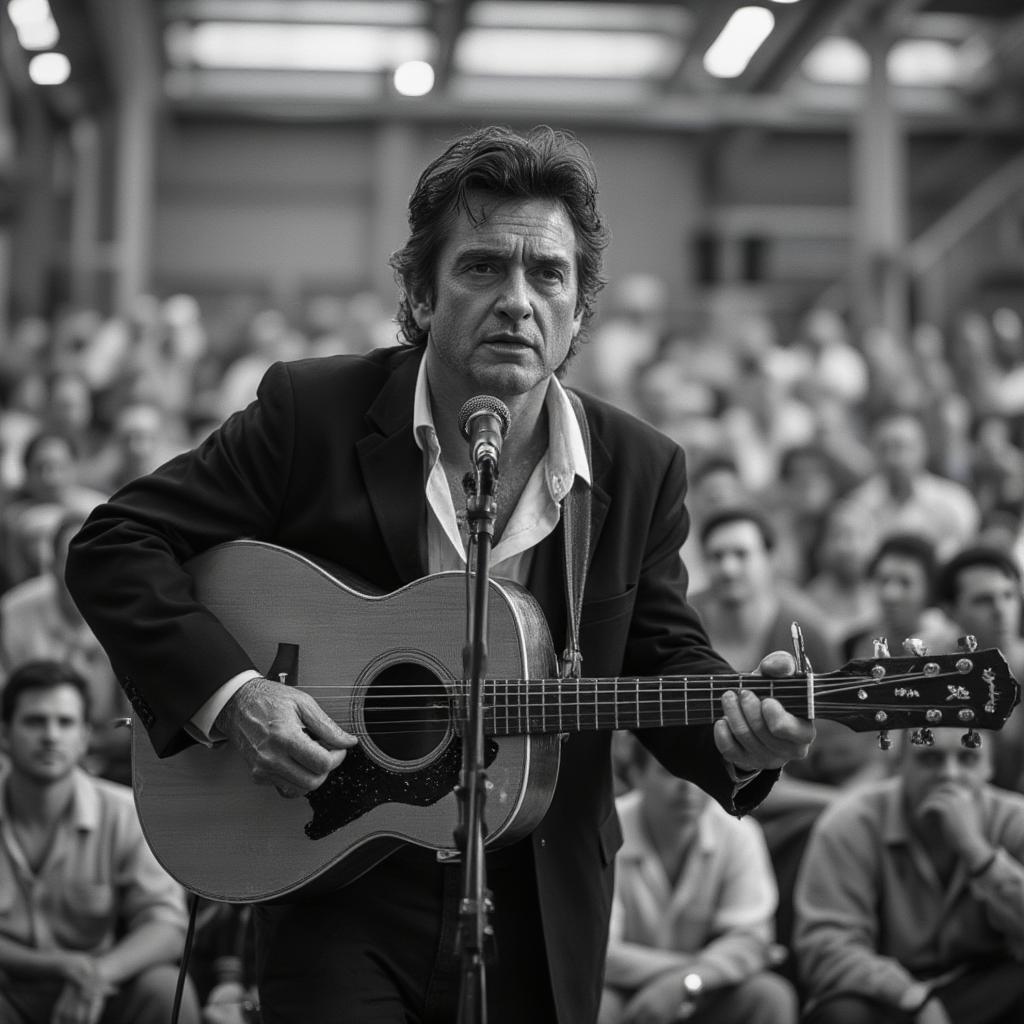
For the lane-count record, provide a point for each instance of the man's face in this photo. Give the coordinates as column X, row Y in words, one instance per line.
column 988, row 604
column 902, row 587
column 924, row 768
column 738, row 563
column 847, row 543
column 504, row 310
column 51, row 469
column 668, row 799
column 71, row 404
column 138, row 431
column 47, row 735
column 901, row 448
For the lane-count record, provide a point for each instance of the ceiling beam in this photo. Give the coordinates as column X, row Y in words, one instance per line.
column 324, row 12
column 695, row 113
column 708, row 18
column 798, row 30
column 449, row 19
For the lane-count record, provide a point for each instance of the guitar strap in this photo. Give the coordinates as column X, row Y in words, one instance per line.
column 576, row 537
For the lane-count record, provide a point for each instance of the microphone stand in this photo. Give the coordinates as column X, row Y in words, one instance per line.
column 475, row 933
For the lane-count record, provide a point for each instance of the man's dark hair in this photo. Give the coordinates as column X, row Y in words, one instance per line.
column 739, row 514
column 42, row 437
column 41, row 674
column 543, row 164
column 913, row 546
column 947, row 585
column 714, row 462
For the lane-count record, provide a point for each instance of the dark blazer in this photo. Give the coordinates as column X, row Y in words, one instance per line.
column 325, row 463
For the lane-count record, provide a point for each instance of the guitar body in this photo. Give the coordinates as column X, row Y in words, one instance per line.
column 361, row 655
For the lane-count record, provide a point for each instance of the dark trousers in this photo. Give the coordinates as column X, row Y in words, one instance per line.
column 382, row 950
column 984, row 995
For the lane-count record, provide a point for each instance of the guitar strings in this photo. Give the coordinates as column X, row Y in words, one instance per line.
column 613, row 686
column 603, row 711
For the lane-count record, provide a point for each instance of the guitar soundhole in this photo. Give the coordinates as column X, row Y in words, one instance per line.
column 406, row 712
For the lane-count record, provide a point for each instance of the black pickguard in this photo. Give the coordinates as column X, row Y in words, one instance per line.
column 359, row 784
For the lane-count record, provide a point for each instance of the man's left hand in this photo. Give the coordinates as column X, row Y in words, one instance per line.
column 757, row 734
column 657, row 1002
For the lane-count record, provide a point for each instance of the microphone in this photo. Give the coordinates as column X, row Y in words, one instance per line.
column 484, row 422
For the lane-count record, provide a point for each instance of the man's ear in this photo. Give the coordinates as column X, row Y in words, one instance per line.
column 422, row 305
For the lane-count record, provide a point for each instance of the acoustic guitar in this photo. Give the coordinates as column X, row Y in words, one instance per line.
column 387, row 668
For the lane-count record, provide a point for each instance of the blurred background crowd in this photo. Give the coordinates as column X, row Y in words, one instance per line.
column 832, row 477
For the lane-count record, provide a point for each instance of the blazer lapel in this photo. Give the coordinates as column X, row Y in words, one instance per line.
column 392, row 466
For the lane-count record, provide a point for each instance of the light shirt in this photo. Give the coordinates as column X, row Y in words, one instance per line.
column 98, row 876
column 539, row 508
column 942, row 510
column 33, row 625
column 534, row 518
column 720, row 910
column 872, row 914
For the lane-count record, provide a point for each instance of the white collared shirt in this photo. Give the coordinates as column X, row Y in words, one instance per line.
column 539, row 508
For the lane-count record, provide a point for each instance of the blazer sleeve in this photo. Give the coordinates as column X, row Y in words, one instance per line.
column 125, row 567
column 667, row 637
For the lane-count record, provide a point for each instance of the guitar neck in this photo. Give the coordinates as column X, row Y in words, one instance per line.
column 515, row 706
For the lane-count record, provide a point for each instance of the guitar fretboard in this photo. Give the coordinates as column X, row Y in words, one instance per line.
column 516, row 706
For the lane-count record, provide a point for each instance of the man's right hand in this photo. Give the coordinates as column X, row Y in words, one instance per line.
column 286, row 738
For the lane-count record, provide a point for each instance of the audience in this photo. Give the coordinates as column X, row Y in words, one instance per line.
column 745, row 605
column 910, row 898
column 980, row 589
column 50, row 489
column 901, row 573
column 828, row 473
column 39, row 620
column 91, row 927
column 902, row 494
column 691, row 926
column 839, row 585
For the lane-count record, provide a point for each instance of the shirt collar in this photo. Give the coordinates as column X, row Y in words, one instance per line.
column 636, row 846
column 85, row 804
column 567, row 454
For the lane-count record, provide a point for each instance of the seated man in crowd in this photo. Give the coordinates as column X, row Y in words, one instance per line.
column 980, row 590
column 904, row 496
column 902, row 574
column 691, row 928
column 39, row 621
column 910, row 898
column 746, row 604
column 91, row 926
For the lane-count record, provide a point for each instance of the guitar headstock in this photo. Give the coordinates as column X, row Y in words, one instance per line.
column 970, row 689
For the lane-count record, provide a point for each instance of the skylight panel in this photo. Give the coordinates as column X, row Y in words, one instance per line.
column 626, row 17
column 562, row 54
column 295, row 47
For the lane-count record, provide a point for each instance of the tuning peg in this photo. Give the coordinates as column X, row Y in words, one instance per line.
column 968, row 644
column 922, row 738
column 884, row 743
column 881, row 645
column 915, row 647
column 971, row 739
